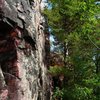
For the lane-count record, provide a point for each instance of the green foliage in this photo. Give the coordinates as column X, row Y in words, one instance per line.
column 56, row 71
column 74, row 23
column 58, row 93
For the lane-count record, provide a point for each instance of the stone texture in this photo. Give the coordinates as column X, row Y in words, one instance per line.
column 24, row 51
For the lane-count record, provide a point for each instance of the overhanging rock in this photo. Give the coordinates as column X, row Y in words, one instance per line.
column 19, row 13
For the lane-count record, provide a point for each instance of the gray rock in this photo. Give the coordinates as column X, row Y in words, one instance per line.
column 23, row 59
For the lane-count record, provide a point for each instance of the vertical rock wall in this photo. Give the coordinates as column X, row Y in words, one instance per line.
column 23, row 46
column 42, row 52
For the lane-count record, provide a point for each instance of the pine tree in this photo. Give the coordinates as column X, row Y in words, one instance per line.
column 76, row 31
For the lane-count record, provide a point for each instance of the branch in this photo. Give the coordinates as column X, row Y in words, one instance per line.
column 93, row 43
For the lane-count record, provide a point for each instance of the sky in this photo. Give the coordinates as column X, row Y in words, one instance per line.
column 98, row 2
column 44, row 3
column 51, row 42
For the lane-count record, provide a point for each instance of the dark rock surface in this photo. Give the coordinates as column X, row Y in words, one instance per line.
column 18, row 13
column 23, row 46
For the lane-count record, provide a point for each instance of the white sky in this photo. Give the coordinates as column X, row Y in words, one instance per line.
column 43, row 3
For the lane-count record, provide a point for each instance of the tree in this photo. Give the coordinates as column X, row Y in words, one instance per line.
column 76, row 31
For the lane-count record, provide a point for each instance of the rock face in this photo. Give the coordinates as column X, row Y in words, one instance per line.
column 24, row 51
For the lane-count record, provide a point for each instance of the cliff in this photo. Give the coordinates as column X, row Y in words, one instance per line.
column 24, row 43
